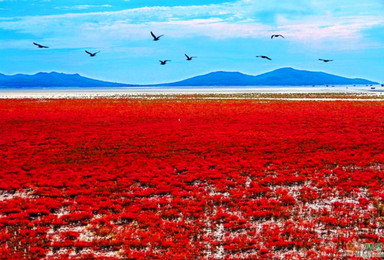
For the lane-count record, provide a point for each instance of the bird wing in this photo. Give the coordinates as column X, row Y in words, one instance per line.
column 186, row 56
column 272, row 36
column 39, row 45
column 268, row 58
column 153, row 35
column 281, row 35
column 88, row 52
column 160, row 36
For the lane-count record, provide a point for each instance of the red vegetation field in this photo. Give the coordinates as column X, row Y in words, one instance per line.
column 182, row 179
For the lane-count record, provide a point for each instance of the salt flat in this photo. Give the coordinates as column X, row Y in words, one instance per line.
column 144, row 91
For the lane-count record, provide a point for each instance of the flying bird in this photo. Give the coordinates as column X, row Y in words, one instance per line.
column 323, row 60
column 189, row 57
column 264, row 57
column 163, row 62
column 40, row 46
column 92, row 54
column 276, row 36
column 156, row 38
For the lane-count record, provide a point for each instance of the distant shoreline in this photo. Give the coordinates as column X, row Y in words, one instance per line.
column 186, row 87
column 128, row 92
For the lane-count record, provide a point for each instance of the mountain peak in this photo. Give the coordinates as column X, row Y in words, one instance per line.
column 220, row 72
column 286, row 69
column 54, row 73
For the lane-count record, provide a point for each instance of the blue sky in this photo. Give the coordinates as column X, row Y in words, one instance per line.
column 224, row 35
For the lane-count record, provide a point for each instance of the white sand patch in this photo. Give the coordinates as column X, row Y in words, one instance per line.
column 9, row 195
column 150, row 92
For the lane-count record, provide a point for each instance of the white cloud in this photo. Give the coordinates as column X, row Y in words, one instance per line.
column 308, row 22
column 336, row 32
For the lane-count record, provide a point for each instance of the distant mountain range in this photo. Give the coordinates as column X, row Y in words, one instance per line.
column 52, row 79
column 279, row 77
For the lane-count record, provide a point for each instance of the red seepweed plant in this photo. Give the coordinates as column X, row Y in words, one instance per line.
column 176, row 179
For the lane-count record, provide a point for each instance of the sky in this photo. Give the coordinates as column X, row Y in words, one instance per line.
column 224, row 35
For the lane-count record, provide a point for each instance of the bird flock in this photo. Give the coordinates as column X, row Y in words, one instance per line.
column 189, row 58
